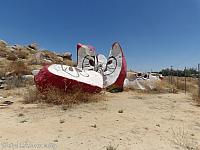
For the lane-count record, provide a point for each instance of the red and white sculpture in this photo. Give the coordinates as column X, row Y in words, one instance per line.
column 68, row 78
column 93, row 72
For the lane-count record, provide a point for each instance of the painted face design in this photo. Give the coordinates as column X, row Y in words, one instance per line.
column 88, row 63
column 86, row 57
column 101, row 63
column 110, row 66
column 63, row 76
column 68, row 70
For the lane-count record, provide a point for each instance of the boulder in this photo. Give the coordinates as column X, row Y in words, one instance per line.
column 15, row 47
column 3, row 86
column 3, row 78
column 67, row 55
column 12, row 57
column 47, row 61
column 126, row 83
column 60, row 58
column 3, row 43
column 33, row 46
column 2, row 81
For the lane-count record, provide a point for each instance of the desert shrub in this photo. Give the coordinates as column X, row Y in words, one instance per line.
column 56, row 96
column 18, row 68
column 22, row 54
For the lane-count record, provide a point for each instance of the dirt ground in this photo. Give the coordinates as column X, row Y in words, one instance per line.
column 125, row 121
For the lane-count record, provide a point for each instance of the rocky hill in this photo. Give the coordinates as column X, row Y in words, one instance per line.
column 23, row 61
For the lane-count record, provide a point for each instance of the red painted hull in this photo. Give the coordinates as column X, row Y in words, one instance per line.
column 45, row 79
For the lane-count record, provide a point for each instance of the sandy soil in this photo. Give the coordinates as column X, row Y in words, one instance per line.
column 125, row 121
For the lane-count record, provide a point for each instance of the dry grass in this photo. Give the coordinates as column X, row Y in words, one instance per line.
column 184, row 140
column 191, row 83
column 191, row 87
column 56, row 96
column 159, row 87
column 164, row 87
column 110, row 147
column 2, row 72
column 3, row 50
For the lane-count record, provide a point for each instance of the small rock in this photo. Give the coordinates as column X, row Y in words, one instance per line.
column 16, row 47
column 1, row 81
column 20, row 115
column 7, row 102
column 157, row 125
column 3, row 78
column 62, row 121
column 23, row 121
column 120, row 111
column 94, row 126
column 55, row 140
column 3, row 86
column 47, row 61
column 28, row 77
column 35, row 72
column 60, row 58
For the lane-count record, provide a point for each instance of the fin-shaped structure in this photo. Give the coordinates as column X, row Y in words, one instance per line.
column 116, row 68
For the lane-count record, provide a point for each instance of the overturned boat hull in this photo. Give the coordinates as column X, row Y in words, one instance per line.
column 69, row 78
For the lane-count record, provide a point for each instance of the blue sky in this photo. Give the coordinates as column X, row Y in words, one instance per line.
column 154, row 34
